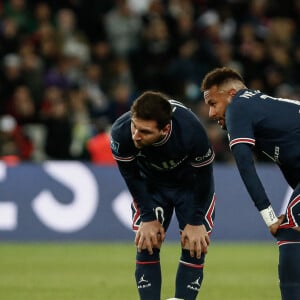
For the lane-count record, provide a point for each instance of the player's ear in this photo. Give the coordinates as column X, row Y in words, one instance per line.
column 232, row 92
column 166, row 129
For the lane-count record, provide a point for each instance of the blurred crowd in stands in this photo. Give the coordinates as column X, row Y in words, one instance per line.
column 69, row 68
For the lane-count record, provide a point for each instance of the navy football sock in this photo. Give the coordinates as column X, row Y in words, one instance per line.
column 189, row 276
column 289, row 271
column 148, row 275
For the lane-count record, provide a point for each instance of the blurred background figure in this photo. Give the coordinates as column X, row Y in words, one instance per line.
column 15, row 146
column 98, row 146
column 94, row 57
column 122, row 27
column 58, row 127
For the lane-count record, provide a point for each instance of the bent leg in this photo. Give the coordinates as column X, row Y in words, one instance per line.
column 288, row 240
column 189, row 276
column 289, row 270
column 148, row 275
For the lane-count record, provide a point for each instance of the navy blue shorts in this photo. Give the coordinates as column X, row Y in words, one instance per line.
column 286, row 233
column 166, row 200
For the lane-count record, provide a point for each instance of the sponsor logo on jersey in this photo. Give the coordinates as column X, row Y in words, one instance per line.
column 205, row 156
column 168, row 165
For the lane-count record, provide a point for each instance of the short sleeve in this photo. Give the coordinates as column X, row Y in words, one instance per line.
column 239, row 122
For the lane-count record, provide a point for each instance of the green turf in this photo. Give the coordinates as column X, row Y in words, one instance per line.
column 105, row 271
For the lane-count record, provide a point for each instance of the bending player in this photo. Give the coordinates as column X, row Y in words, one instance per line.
column 272, row 126
column 165, row 159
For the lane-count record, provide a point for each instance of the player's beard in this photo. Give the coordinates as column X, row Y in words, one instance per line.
column 141, row 144
column 138, row 144
column 222, row 123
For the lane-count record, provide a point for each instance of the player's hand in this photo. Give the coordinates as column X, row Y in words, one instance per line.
column 150, row 235
column 274, row 227
column 195, row 238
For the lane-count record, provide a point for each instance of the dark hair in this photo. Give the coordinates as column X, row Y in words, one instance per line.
column 219, row 76
column 152, row 106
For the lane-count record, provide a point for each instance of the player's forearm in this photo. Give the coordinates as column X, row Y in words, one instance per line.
column 138, row 189
column 141, row 197
column 245, row 164
column 203, row 187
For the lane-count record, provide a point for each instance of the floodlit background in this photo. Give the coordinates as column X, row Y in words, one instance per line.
column 69, row 68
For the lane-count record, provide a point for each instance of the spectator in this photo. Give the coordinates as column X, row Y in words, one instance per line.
column 121, row 101
column 122, row 28
column 98, row 146
column 18, row 11
column 97, row 100
column 58, row 131
column 80, row 122
column 9, row 37
column 11, row 78
column 22, row 106
column 15, row 146
column 106, row 46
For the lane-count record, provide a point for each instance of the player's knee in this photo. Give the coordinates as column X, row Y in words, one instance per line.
column 156, row 246
column 186, row 258
column 144, row 256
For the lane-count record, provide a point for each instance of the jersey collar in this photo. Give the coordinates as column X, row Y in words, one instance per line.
column 165, row 139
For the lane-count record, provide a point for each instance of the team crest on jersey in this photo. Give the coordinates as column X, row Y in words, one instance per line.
column 114, row 146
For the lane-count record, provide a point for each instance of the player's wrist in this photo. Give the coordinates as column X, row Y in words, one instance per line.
column 269, row 216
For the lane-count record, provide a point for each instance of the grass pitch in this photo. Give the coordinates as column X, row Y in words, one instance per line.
column 104, row 271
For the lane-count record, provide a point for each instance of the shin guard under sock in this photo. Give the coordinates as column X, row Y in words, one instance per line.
column 148, row 275
column 189, row 276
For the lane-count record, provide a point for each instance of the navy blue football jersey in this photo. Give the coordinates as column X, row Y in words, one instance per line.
column 171, row 160
column 272, row 126
column 174, row 161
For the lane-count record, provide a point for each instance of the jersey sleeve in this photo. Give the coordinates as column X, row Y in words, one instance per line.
column 239, row 122
column 120, row 141
column 125, row 154
column 201, row 153
column 245, row 163
column 201, row 158
column 241, row 117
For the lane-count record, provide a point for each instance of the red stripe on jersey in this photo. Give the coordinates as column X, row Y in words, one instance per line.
column 242, row 140
column 209, row 214
column 136, row 216
column 289, row 214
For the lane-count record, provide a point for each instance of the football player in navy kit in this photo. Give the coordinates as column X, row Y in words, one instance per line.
column 272, row 126
column 165, row 158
